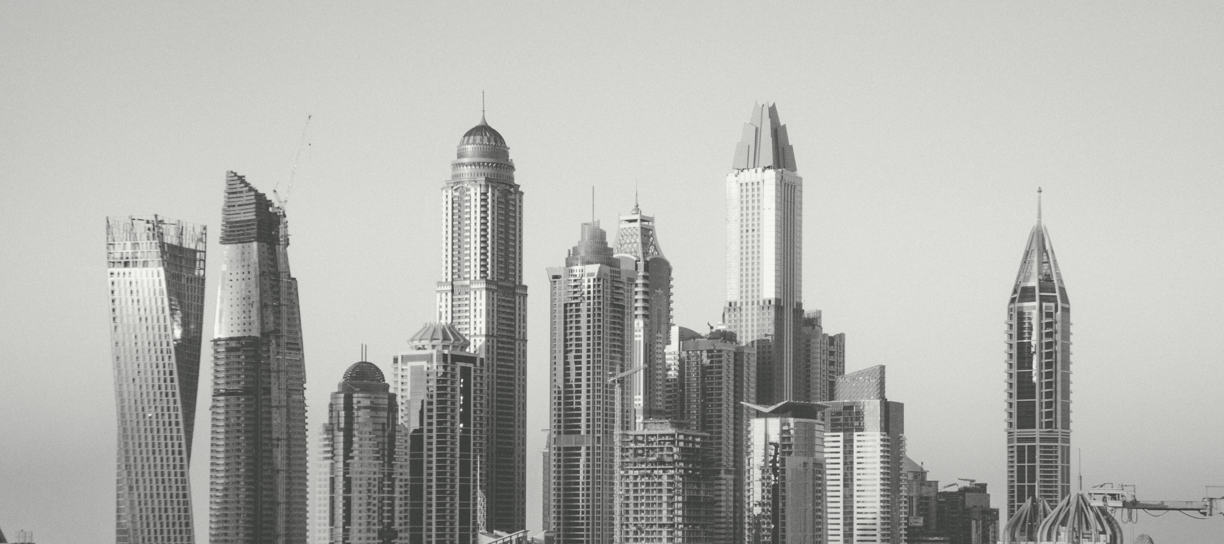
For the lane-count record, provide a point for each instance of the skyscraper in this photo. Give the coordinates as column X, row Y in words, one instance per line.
column 257, row 475
column 765, row 253
column 156, row 276
column 590, row 342
column 865, row 454
column 823, row 358
column 483, row 295
column 442, row 407
column 637, row 244
column 786, row 474
column 361, row 443
column 1038, row 377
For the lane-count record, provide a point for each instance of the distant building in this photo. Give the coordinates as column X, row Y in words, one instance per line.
column 442, row 392
column 482, row 294
column 765, row 252
column 257, row 475
column 822, row 359
column 667, row 491
column 1038, row 377
column 964, row 516
column 717, row 376
column 920, row 498
column 590, row 339
column 785, row 476
column 22, row 537
column 865, row 452
column 155, row 270
column 361, row 443
column 637, row 245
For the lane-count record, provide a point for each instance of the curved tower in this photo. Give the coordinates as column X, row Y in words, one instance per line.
column 1038, row 377
column 483, row 296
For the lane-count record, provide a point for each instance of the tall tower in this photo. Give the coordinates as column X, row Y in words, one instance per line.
column 156, row 275
column 638, row 247
column 590, row 342
column 1038, row 377
column 483, row 295
column 442, row 407
column 361, row 443
column 257, row 475
column 765, row 253
column 785, row 478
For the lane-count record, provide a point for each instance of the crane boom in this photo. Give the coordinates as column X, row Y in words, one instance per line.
column 1115, row 496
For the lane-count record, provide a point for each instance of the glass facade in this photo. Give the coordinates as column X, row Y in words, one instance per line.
column 156, row 279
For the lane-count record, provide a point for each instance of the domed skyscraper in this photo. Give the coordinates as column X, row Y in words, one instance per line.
column 482, row 294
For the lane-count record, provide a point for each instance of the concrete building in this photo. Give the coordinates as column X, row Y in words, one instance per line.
column 257, row 474
column 865, row 451
column 764, row 303
column 718, row 376
column 919, row 498
column 482, row 294
column 638, row 246
column 785, row 476
column 1038, row 377
column 590, row 342
column 361, row 445
column 155, row 270
column 441, row 387
column 823, row 358
column 667, row 489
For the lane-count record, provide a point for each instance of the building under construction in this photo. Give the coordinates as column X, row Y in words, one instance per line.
column 667, row 493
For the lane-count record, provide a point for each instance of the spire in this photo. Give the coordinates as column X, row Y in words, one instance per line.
column 1039, row 205
column 482, row 112
column 764, row 142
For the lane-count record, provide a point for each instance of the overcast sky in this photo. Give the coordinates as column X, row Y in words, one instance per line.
column 921, row 129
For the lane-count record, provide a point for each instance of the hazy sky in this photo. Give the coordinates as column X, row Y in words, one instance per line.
column 922, row 131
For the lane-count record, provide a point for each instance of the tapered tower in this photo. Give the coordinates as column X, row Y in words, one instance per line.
column 1038, row 377
column 483, row 296
column 638, row 247
column 765, row 254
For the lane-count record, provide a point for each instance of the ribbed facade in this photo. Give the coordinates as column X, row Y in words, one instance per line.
column 1038, row 378
column 257, row 473
column 637, row 243
column 156, row 279
column 443, row 413
column 590, row 341
column 786, row 475
column 483, row 295
column 361, row 445
column 765, row 253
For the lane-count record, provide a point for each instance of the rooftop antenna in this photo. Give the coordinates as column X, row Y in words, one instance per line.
column 1039, row 205
column 1080, row 451
column 293, row 169
column 592, row 204
column 482, row 109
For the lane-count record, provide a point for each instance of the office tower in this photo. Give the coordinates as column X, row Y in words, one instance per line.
column 765, row 253
column 823, row 357
column 637, row 244
column 1038, row 401
column 786, row 472
column 718, row 376
column 482, row 294
column 666, row 489
column 156, row 275
column 590, row 341
column 360, row 443
column 673, row 387
column 257, row 474
column 441, row 386
column 865, row 452
column 918, row 501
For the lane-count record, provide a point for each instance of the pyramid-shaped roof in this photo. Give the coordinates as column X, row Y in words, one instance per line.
column 439, row 336
column 1039, row 267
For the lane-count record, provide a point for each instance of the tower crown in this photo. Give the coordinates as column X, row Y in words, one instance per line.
column 764, row 143
column 439, row 336
column 482, row 154
column 1039, row 267
column 482, row 134
column 364, row 371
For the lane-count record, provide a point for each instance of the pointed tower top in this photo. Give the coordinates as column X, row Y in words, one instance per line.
column 1039, row 205
column 482, row 111
column 764, row 142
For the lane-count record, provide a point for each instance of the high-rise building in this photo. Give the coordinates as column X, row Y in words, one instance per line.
column 823, row 358
column 666, row 490
column 442, row 411
column 156, row 276
column 1038, row 377
column 919, row 500
column 482, row 294
column 361, row 443
column 257, row 474
column 964, row 516
column 718, row 376
column 865, row 452
column 765, row 254
column 590, row 343
column 637, row 244
column 786, row 474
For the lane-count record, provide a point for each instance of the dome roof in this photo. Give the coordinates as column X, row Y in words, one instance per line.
column 439, row 336
column 1144, row 539
column 482, row 134
column 1078, row 521
column 1023, row 525
column 364, row 371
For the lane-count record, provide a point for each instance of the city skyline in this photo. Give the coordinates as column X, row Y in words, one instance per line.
column 925, row 131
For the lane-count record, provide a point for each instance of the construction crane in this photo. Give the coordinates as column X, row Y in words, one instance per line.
column 1122, row 496
column 282, row 201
